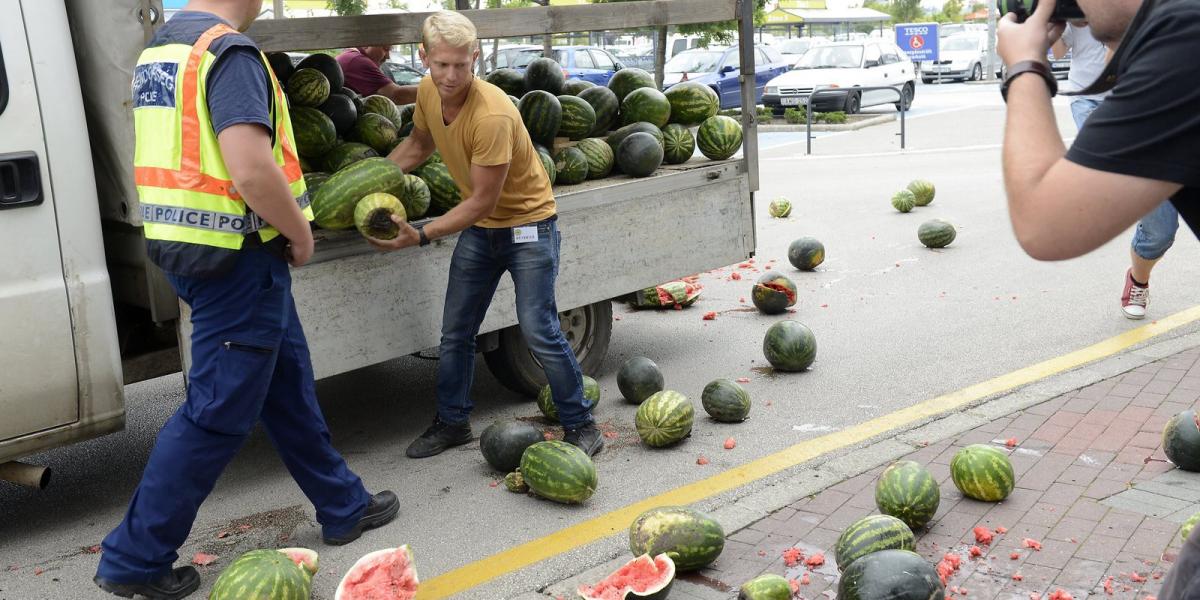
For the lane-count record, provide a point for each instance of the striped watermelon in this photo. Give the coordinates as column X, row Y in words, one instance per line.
column 904, row 201
column 545, row 399
column 692, row 103
column 308, row 87
column 790, row 346
column 328, row 66
column 558, row 471
column 766, row 587
column 414, row 195
column 1188, row 526
column 263, row 574
column 982, row 472
column 780, row 208
column 599, row 156
column 922, row 190
column 691, row 538
column 639, row 155
column 443, row 192
column 907, row 490
column 544, row 74
column 725, row 401
column 570, row 166
column 645, row 104
column 384, row 107
column 548, row 165
column 604, row 102
column 509, row 80
column 314, row 131
column 333, row 203
column 345, row 155
column 376, row 131
column 314, row 180
column 719, row 137
column 664, row 418
column 628, row 79
column 936, row 233
column 892, row 575
column 615, row 138
column 578, row 118
column 406, row 113
column 542, row 113
column 373, row 216
column 574, row 86
column 872, row 534
column 678, row 144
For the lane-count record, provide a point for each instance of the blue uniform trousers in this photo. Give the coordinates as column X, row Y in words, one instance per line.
column 250, row 362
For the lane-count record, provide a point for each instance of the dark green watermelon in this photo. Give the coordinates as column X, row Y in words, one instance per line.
column 578, row 117
column 406, row 113
column 341, row 110
column 574, row 86
column 328, row 66
column 604, row 102
column 890, row 575
column 570, row 166
column 628, row 79
column 346, row 154
column 282, row 65
column 639, row 155
column 1181, row 440
column 615, row 138
column 542, row 114
column 645, row 104
column 503, row 443
column 639, row 378
column 509, row 80
column 725, row 401
column 790, row 346
column 678, row 144
column 544, row 74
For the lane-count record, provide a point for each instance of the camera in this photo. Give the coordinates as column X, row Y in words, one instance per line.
column 1064, row 10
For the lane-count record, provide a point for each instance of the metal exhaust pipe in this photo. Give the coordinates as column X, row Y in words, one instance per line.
column 30, row 476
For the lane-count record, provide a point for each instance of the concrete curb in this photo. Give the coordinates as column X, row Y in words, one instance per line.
column 887, row 118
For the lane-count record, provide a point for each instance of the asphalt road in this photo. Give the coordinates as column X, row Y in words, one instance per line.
column 896, row 324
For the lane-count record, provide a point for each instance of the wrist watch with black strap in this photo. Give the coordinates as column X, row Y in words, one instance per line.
column 421, row 232
column 1029, row 66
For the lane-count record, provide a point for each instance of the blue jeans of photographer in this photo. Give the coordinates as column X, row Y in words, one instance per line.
column 1156, row 231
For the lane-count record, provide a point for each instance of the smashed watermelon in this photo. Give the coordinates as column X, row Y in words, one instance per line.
column 642, row 578
column 673, row 294
column 384, row 574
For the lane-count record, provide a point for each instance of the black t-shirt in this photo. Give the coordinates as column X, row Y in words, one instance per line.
column 1150, row 125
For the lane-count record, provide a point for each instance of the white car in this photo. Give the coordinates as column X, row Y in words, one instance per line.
column 961, row 57
column 843, row 67
column 794, row 48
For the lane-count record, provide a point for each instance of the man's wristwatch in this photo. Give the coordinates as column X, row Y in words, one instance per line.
column 421, row 232
column 1029, row 66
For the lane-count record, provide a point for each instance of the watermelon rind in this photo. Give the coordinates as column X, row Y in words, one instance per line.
column 509, row 80
column 691, row 538
column 790, row 346
column 544, row 74
column 664, row 418
column 578, row 117
column 639, row 378
column 678, row 144
column 890, row 575
column 558, row 471
column 1181, row 441
column 599, row 156
column 692, row 102
column 773, row 293
column 643, row 578
column 806, row 253
column 262, row 574
column 503, row 443
column 780, row 208
column 314, row 180
column 872, row 533
column 545, row 398
column 628, row 79
column 399, row 577
column 907, row 490
column 719, row 137
column 604, row 102
column 515, row 483
column 766, row 587
column 308, row 87
column 982, row 472
column 333, row 204
column 639, row 155
column 542, row 114
column 936, row 233
column 373, row 216
column 646, row 104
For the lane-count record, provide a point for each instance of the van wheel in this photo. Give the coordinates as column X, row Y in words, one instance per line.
column 588, row 330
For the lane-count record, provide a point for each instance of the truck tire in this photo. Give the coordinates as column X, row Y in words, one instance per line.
column 588, row 330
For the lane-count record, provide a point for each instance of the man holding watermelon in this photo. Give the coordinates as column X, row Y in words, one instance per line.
column 507, row 220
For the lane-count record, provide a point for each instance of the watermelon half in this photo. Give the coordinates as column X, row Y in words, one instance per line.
column 642, row 578
column 386, row 573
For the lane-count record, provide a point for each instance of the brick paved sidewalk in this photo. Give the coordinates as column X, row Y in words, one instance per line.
column 1093, row 486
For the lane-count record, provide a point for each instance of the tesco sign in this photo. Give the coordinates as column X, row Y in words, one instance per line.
column 918, row 40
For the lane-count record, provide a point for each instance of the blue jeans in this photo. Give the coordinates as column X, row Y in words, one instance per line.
column 1155, row 233
column 250, row 363
column 480, row 258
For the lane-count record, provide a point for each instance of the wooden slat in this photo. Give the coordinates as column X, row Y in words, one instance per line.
column 276, row 35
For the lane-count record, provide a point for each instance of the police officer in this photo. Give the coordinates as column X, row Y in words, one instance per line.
column 224, row 209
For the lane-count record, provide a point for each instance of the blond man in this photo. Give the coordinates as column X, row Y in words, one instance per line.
column 507, row 221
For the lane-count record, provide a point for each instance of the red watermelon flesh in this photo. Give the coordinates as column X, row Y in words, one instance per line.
column 779, row 287
column 381, row 575
column 641, row 577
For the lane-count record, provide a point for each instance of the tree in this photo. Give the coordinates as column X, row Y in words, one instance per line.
column 347, row 7
column 952, row 11
column 397, row 5
column 906, row 11
column 724, row 32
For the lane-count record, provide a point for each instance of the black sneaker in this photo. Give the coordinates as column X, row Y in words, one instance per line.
column 381, row 509
column 587, row 438
column 438, row 438
column 179, row 583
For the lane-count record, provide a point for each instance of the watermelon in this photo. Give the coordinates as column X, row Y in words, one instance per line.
column 345, row 155
column 558, row 471
column 414, row 195
column 628, row 79
column 604, row 102
column 516, row 101
column 308, row 87
column 671, row 294
column 386, row 573
column 353, row 96
column 306, row 165
column 773, row 294
column 544, row 74
column 982, row 472
column 645, row 104
column 515, row 481
column 872, row 534
column 790, row 346
column 384, row 107
column 341, row 110
column 806, row 253
column 574, row 86
column 282, row 65
column 443, row 192
column 548, row 166
column 503, row 443
column 333, row 204
column 780, row 208
column 907, row 490
column 766, row 587
column 542, row 113
column 509, row 80
column 264, row 574
column 890, row 575
column 376, row 131
column 725, row 401
column 328, row 66
column 314, row 180
column 570, row 166
column 578, row 117
column 373, row 216
column 404, row 131
column 692, row 103
column 922, row 190
column 691, row 538
column 678, row 144
column 615, row 138
column 664, row 418
column 639, row 155
column 643, row 578
column 1181, row 441
column 406, row 112
column 1188, row 526
column 545, row 399
column 904, row 201
column 638, row 379
column 936, row 233
column 315, row 132
column 599, row 156
column 719, row 137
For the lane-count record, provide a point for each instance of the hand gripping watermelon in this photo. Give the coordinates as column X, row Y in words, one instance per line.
column 773, row 294
column 276, row 574
column 904, row 201
column 639, row 378
column 545, row 400
column 503, row 443
column 642, row 578
column 872, row 534
column 725, row 401
column 936, row 233
column 386, row 573
column 907, row 490
column 373, row 216
column 890, row 575
column 691, row 538
column 558, row 471
column 1181, row 440
column 664, row 418
column 982, row 472
column 790, row 346
column 780, row 208
column 766, row 587
column 922, row 191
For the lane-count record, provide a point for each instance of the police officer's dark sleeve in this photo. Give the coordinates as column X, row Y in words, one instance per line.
column 1150, row 125
column 238, row 90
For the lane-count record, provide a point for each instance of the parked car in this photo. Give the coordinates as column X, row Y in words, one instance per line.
column 719, row 68
column 641, row 58
column 1061, row 67
column 401, row 74
column 845, row 66
column 961, row 57
column 588, row 63
column 794, row 48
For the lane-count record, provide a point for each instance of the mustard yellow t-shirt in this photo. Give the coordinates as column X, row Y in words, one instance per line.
column 488, row 132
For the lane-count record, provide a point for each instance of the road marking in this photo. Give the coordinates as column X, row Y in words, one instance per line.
column 502, row 563
column 973, row 148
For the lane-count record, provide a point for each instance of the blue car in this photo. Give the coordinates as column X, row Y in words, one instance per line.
column 588, row 63
column 719, row 68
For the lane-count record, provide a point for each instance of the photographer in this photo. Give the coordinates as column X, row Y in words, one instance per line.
column 1137, row 148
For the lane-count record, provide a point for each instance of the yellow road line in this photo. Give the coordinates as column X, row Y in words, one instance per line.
column 564, row 540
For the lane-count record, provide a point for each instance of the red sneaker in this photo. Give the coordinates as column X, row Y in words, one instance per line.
column 1135, row 297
